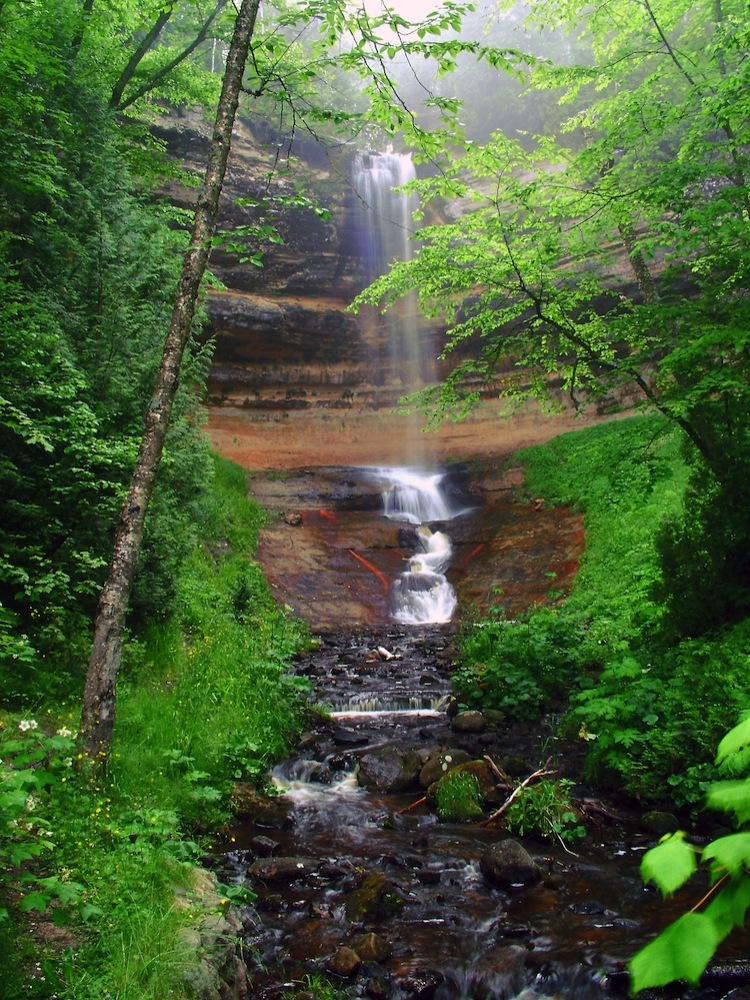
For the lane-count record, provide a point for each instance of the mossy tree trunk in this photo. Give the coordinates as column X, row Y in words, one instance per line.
column 99, row 694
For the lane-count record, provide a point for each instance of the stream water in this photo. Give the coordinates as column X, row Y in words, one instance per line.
column 455, row 934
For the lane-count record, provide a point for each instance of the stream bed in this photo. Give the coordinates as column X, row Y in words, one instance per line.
column 370, row 888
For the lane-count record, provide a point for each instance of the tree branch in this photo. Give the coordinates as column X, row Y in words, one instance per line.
column 174, row 63
column 146, row 43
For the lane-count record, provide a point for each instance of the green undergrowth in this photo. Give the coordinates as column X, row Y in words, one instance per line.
column 104, row 867
column 650, row 707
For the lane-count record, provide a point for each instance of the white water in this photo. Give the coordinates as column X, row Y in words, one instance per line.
column 421, row 594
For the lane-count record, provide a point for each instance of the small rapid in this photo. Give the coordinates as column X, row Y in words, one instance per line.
column 421, row 594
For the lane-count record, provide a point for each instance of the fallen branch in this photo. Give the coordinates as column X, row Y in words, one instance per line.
column 413, row 805
column 543, row 772
column 503, row 780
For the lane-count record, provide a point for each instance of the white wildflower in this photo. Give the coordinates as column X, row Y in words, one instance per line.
column 64, row 732
column 68, row 762
column 30, row 803
column 26, row 724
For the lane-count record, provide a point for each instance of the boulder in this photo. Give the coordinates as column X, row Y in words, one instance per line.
column 469, row 722
column 248, row 803
column 481, row 771
column 389, row 770
column 371, row 947
column 509, row 863
column 344, row 963
column 282, row 869
column 376, row 898
column 440, row 764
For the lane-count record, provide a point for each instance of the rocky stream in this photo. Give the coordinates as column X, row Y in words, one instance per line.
column 356, row 876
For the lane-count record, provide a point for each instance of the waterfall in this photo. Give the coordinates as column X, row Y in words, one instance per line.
column 421, row 594
column 385, row 227
column 386, row 215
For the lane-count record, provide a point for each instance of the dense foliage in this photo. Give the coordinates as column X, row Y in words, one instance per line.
column 205, row 701
column 88, row 263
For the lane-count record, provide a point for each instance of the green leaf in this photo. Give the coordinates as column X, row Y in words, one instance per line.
column 34, row 901
column 670, row 864
column 682, row 951
column 730, row 796
column 729, row 906
column 735, row 740
column 730, row 853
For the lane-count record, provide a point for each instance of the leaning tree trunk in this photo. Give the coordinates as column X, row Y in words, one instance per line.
column 99, row 693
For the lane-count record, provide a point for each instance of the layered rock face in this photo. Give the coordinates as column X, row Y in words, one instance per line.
column 284, row 337
column 296, row 378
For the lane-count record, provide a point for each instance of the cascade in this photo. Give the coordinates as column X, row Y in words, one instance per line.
column 421, row 593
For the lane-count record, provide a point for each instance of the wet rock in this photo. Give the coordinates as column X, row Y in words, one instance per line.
column 389, row 770
column 421, row 986
column 589, row 907
column 440, row 764
column 344, row 963
column 282, row 869
column 293, row 519
column 375, row 898
column 248, row 803
column 371, row 947
column 265, row 847
column 516, row 766
column 509, row 863
column 348, row 737
column 659, row 822
column 377, row 989
column 469, row 722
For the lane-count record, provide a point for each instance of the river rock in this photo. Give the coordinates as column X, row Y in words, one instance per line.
column 481, row 771
column 509, row 863
column 282, row 869
column 264, row 847
column 421, row 985
column 659, row 822
column 440, row 764
column 389, row 770
column 375, row 898
column 371, row 947
column 344, row 963
column 248, row 803
column 469, row 722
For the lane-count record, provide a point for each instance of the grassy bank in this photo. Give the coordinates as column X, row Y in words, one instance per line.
column 651, row 709
column 88, row 904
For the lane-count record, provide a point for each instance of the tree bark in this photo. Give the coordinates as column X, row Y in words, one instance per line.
column 99, row 699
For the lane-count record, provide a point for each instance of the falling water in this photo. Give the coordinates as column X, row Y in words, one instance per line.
column 421, row 593
column 385, row 230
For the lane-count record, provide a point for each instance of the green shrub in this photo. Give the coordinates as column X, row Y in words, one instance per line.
column 545, row 809
column 458, row 797
column 517, row 666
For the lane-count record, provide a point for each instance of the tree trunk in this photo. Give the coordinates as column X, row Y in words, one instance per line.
column 98, row 717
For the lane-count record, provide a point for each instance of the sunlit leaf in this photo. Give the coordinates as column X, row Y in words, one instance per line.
column 682, row 951
column 731, row 853
column 735, row 740
column 670, row 864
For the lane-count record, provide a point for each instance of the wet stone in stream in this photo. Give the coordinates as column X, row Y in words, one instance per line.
column 372, row 890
